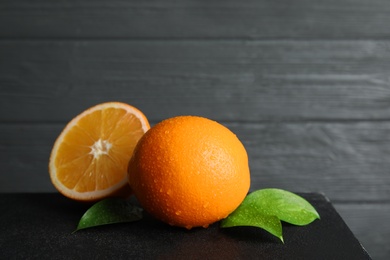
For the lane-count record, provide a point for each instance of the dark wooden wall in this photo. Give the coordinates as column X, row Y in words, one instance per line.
column 304, row 84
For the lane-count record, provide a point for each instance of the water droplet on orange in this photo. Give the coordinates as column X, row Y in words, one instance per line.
column 188, row 227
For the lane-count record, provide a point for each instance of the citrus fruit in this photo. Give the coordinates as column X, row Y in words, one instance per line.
column 189, row 171
column 89, row 159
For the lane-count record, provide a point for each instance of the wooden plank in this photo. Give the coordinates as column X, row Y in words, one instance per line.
column 250, row 19
column 344, row 161
column 369, row 224
column 52, row 81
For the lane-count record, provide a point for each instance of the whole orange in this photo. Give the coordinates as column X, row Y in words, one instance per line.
column 189, row 171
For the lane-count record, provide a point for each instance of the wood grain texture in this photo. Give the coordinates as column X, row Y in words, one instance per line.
column 226, row 80
column 248, row 19
column 348, row 162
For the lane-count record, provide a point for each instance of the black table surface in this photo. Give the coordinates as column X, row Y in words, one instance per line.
column 40, row 225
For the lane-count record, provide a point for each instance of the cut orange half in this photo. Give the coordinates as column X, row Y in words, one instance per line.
column 89, row 159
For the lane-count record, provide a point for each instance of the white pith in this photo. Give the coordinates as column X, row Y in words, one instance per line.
column 99, row 148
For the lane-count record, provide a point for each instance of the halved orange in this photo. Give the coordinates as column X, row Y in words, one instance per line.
column 89, row 159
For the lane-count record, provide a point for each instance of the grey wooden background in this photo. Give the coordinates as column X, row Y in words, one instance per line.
column 304, row 84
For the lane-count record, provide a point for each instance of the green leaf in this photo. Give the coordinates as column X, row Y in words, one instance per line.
column 285, row 205
column 267, row 207
column 109, row 211
column 247, row 215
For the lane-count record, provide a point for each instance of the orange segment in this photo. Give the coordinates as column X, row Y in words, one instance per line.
column 89, row 159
